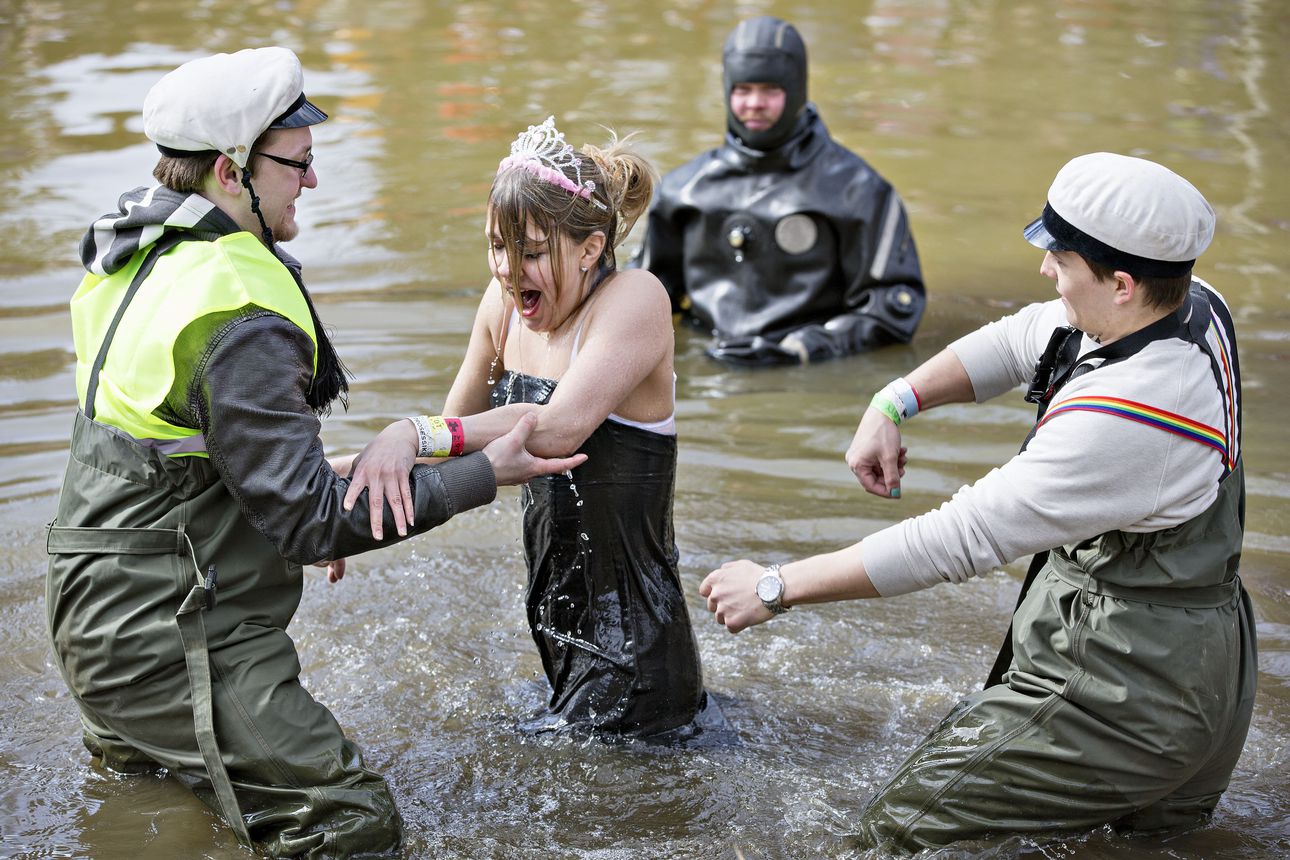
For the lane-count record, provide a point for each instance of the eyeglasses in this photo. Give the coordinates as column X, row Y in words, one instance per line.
column 302, row 166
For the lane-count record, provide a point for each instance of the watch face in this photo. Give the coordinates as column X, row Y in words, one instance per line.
column 769, row 588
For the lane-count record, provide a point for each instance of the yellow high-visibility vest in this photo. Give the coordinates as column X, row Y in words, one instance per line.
column 192, row 280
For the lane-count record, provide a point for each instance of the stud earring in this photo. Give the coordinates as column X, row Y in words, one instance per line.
column 584, row 268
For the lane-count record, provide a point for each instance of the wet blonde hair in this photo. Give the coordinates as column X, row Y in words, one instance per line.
column 624, row 185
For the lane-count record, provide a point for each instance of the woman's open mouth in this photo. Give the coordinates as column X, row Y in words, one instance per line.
column 529, row 300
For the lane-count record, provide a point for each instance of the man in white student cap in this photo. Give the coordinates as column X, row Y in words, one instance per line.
column 197, row 486
column 1125, row 688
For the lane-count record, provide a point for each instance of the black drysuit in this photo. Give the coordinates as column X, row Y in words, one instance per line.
column 794, row 254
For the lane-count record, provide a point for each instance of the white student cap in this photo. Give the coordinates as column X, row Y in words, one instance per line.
column 1129, row 214
column 225, row 102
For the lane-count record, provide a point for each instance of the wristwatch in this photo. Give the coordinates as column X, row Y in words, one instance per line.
column 770, row 588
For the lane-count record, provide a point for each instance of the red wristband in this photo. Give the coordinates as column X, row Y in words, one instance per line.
column 458, row 436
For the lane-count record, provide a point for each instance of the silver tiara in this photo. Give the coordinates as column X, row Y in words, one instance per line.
column 543, row 151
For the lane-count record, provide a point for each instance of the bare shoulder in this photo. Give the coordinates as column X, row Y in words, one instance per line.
column 639, row 291
column 493, row 299
column 492, row 306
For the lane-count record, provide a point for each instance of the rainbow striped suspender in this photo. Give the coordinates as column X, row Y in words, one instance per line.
column 1144, row 414
column 1203, row 318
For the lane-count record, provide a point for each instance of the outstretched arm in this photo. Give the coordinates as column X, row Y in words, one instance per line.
column 248, row 399
column 978, row 366
column 731, row 590
column 384, row 465
column 482, row 364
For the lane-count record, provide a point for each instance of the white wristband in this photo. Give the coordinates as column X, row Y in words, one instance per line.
column 905, row 396
column 425, row 439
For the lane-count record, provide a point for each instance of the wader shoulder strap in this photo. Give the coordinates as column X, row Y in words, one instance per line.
column 162, row 245
column 1204, row 313
column 192, row 630
column 1058, row 365
column 1222, row 318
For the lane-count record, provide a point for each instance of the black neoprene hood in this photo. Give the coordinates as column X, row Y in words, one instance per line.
column 766, row 50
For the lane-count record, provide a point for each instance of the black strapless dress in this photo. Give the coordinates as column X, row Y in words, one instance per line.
column 604, row 601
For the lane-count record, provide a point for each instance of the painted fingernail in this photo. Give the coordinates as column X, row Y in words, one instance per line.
column 895, row 492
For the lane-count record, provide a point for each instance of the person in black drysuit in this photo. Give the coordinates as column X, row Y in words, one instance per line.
column 786, row 245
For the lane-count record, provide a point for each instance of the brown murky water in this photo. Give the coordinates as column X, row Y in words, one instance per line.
column 968, row 106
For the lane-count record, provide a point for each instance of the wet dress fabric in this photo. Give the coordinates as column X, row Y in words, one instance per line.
column 604, row 599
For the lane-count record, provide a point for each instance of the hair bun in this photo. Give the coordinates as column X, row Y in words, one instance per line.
column 630, row 179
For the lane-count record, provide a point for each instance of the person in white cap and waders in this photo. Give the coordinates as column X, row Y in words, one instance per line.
column 197, row 486
column 1125, row 688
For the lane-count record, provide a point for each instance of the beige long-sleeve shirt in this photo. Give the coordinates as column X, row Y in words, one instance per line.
column 1083, row 473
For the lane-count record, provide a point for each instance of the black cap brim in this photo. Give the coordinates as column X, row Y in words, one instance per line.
column 301, row 113
column 1052, row 232
column 1037, row 234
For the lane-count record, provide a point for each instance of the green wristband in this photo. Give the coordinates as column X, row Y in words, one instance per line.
column 883, row 403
